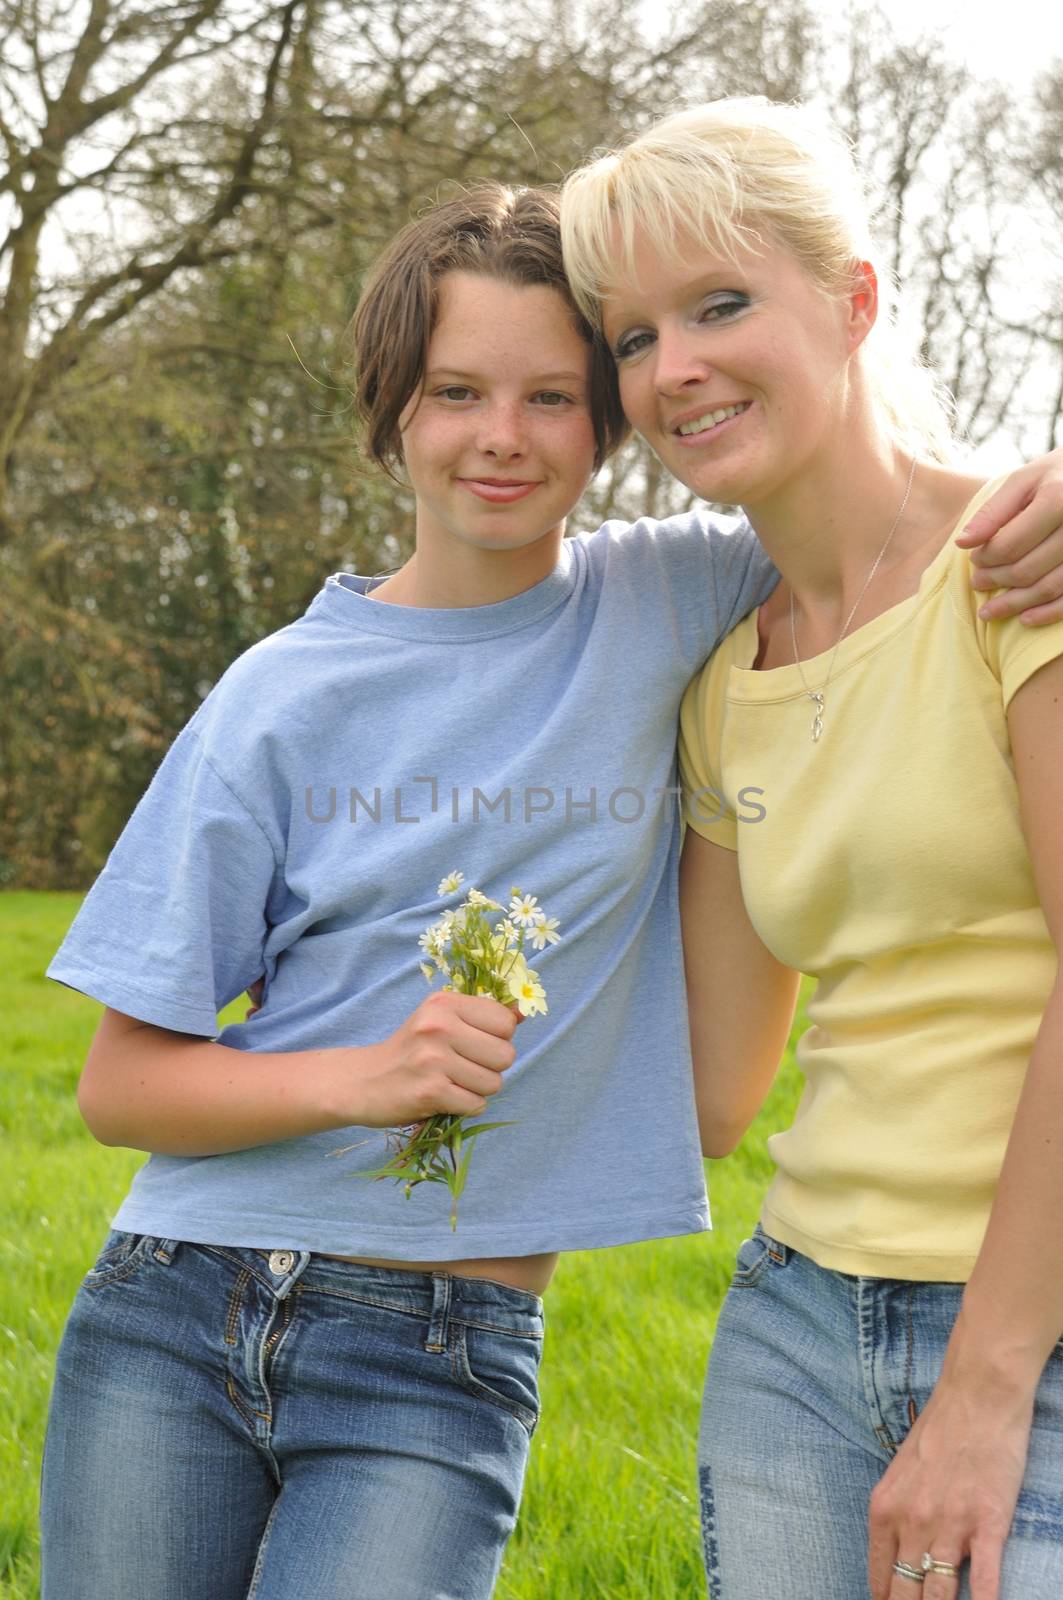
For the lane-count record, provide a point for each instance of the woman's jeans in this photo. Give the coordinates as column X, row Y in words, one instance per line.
column 229, row 1424
column 812, row 1384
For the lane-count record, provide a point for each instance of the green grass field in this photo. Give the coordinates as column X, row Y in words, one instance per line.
column 611, row 1502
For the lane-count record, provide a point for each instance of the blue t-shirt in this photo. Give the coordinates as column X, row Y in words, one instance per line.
column 300, row 825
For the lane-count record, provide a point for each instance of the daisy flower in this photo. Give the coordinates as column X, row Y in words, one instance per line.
column 451, row 882
column 524, row 910
column 543, row 932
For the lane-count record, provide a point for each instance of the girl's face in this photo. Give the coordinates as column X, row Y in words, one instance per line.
column 499, row 442
column 735, row 375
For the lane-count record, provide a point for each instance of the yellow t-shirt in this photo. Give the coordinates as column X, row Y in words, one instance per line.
column 888, row 860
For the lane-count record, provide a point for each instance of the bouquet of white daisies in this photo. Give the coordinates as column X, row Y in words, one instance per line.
column 478, row 948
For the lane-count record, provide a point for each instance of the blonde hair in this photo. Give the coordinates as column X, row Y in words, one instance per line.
column 737, row 173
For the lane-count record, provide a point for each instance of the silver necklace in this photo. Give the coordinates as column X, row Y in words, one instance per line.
column 818, row 696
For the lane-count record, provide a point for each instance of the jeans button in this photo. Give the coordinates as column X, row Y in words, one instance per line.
column 281, row 1261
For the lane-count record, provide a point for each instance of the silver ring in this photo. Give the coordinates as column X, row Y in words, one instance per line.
column 947, row 1568
column 913, row 1574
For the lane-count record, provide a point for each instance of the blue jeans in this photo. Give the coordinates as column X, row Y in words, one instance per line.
column 811, row 1387
column 228, row 1425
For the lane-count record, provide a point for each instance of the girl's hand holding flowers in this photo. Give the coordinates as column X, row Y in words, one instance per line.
column 447, row 1059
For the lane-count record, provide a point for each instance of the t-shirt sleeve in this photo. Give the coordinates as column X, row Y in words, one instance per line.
column 744, row 574
column 705, row 808
column 1012, row 651
column 721, row 573
column 689, row 578
column 1015, row 652
column 175, row 925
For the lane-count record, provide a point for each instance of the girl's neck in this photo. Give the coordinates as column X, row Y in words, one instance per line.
column 461, row 576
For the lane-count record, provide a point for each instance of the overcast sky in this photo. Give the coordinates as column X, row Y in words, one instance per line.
column 1014, row 40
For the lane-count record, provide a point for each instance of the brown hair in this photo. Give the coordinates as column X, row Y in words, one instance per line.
column 513, row 235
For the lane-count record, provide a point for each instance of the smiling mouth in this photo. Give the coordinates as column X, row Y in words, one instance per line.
column 711, row 419
column 500, row 490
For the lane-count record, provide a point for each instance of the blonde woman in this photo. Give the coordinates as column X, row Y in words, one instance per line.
column 874, row 780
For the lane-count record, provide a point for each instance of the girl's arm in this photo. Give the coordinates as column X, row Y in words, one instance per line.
column 741, row 999
column 1017, row 540
column 179, row 1094
column 953, row 1485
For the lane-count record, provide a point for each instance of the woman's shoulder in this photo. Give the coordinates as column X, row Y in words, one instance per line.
column 959, row 490
column 946, row 500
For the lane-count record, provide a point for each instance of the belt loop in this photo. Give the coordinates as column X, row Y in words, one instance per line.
column 165, row 1250
column 439, row 1320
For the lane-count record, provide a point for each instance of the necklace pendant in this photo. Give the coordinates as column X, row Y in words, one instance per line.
column 817, row 695
column 817, row 721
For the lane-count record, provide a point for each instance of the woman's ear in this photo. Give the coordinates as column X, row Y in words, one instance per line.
column 863, row 303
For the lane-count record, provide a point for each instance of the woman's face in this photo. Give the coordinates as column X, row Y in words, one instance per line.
column 499, row 443
column 734, row 374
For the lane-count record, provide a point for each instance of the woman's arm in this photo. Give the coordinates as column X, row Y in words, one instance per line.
column 953, row 1485
column 177, row 1094
column 741, row 999
column 1017, row 540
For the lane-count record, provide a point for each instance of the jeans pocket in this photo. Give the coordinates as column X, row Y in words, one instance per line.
column 754, row 1256
column 502, row 1368
column 122, row 1253
column 750, row 1262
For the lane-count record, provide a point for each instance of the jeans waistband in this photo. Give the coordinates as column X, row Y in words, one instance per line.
column 438, row 1296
